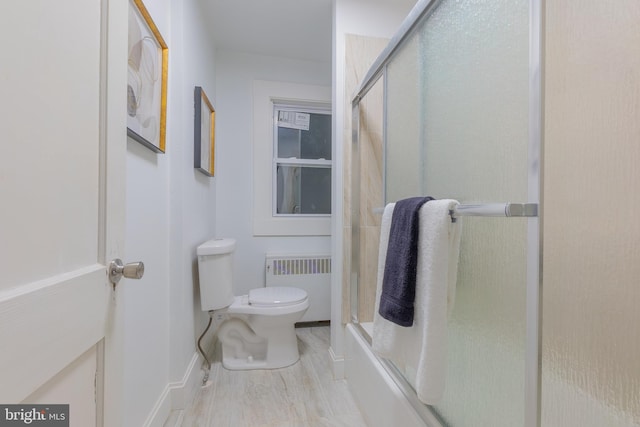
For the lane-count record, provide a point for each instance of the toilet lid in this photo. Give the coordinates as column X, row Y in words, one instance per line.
column 276, row 296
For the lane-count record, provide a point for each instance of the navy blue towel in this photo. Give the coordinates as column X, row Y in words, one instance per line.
column 400, row 269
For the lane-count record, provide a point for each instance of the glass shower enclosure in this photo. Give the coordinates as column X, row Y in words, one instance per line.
column 451, row 110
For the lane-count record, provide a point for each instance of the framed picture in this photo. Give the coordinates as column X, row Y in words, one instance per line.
column 147, row 81
column 204, row 133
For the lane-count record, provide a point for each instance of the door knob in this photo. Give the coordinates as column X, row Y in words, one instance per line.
column 132, row 270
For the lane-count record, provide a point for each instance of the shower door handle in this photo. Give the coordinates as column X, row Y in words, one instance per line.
column 117, row 269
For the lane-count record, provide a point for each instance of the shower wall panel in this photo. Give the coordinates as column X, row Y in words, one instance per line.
column 361, row 52
column 371, row 199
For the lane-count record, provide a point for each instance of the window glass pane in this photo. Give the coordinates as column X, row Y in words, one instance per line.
column 303, row 190
column 316, row 191
column 288, row 143
column 316, row 142
column 303, row 135
column 288, row 193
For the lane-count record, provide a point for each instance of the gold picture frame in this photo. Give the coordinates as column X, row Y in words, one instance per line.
column 147, row 80
column 204, row 133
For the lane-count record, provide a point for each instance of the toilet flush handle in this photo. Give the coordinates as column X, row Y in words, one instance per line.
column 132, row 270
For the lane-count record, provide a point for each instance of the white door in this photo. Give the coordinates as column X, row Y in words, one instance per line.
column 62, row 208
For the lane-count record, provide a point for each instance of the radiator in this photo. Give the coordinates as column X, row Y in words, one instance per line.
column 309, row 272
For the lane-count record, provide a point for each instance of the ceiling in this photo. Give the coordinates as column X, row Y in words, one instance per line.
column 299, row 29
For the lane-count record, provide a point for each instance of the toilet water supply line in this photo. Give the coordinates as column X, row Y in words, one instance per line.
column 208, row 368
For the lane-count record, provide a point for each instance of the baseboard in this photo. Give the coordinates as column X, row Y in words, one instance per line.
column 161, row 409
column 176, row 419
column 176, row 395
column 337, row 365
column 183, row 392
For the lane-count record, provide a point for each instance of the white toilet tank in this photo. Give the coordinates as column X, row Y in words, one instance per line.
column 215, row 270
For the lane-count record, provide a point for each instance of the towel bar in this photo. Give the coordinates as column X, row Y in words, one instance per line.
column 489, row 209
column 496, row 209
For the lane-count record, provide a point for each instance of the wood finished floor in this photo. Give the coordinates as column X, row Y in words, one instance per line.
column 302, row 395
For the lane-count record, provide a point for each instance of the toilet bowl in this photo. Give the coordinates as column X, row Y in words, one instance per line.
column 270, row 340
column 258, row 329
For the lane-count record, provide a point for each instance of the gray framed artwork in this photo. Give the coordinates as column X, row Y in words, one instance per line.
column 204, row 133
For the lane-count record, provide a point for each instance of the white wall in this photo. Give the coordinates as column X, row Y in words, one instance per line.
column 192, row 192
column 170, row 210
column 235, row 73
column 373, row 18
column 147, row 239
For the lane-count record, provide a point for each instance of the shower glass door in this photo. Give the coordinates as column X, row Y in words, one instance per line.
column 457, row 120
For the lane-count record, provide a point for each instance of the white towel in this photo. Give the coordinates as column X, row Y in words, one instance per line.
column 420, row 351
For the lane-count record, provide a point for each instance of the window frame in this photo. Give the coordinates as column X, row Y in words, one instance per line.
column 265, row 95
column 284, row 161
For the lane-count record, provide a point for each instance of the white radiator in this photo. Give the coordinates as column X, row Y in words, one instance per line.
column 309, row 272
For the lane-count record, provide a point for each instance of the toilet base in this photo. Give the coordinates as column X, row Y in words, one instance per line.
column 235, row 364
column 274, row 348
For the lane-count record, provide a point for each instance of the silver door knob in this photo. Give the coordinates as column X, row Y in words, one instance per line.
column 132, row 270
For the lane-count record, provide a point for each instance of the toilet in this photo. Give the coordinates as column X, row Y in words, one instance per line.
column 258, row 331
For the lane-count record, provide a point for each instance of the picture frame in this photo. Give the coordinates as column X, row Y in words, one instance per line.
column 147, row 80
column 204, row 133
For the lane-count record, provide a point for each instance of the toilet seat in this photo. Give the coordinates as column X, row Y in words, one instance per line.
column 276, row 296
column 272, row 301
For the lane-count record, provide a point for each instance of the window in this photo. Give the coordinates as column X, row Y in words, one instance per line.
column 301, row 161
column 292, row 166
